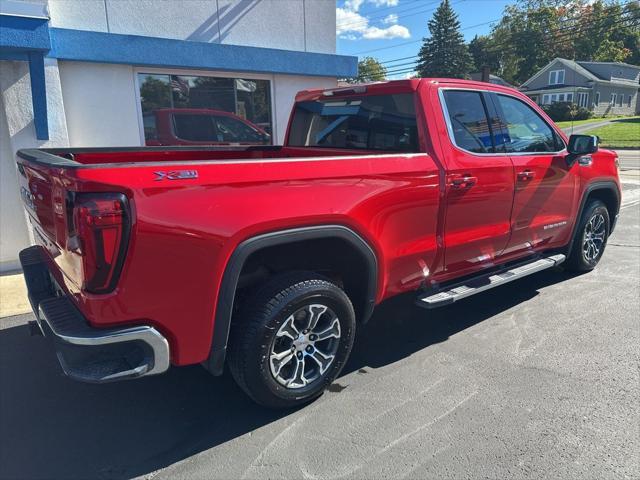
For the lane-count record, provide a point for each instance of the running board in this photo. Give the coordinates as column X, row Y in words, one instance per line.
column 458, row 291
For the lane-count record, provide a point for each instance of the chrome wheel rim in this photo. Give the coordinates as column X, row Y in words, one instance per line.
column 305, row 346
column 593, row 237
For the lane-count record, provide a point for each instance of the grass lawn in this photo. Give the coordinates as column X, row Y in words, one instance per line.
column 622, row 133
column 567, row 124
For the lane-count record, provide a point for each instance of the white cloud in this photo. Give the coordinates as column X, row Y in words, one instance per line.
column 350, row 25
column 350, row 21
column 394, row 31
column 385, row 3
column 390, row 19
column 353, row 5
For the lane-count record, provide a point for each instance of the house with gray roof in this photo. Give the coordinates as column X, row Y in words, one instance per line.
column 606, row 88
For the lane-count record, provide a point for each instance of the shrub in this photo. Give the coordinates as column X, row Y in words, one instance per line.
column 565, row 111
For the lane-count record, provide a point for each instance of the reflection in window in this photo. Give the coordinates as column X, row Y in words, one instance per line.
column 183, row 110
column 468, row 121
column 376, row 122
column 527, row 131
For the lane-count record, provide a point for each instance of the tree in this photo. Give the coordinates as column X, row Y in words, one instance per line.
column 369, row 70
column 444, row 53
column 483, row 53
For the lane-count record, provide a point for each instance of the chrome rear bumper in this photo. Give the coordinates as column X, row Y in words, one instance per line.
column 86, row 353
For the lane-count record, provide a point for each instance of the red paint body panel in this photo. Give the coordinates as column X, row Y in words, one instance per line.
column 184, row 231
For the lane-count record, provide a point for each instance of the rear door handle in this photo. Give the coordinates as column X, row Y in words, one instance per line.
column 463, row 181
column 526, row 175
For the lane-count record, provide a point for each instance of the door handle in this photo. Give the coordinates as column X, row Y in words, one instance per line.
column 526, row 175
column 464, row 181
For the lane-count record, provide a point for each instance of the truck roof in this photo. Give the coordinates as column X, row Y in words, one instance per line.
column 391, row 86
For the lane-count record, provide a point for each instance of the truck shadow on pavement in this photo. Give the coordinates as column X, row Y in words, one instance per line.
column 53, row 427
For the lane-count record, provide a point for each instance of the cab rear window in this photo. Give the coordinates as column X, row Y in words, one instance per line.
column 375, row 122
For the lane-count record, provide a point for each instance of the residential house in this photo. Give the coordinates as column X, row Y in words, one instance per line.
column 607, row 88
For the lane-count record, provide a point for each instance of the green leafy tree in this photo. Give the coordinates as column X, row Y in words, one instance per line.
column 534, row 32
column 444, row 53
column 369, row 70
column 611, row 51
column 484, row 53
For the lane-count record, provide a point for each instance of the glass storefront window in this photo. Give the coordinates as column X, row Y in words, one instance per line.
column 198, row 110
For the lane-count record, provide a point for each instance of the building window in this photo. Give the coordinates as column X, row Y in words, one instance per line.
column 613, row 100
column 192, row 110
column 597, row 100
column 549, row 98
column 629, row 100
column 583, row 99
column 556, row 77
column 621, row 99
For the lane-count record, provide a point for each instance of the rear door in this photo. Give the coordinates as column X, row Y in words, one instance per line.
column 544, row 184
column 479, row 182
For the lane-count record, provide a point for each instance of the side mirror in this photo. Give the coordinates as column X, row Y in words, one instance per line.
column 582, row 144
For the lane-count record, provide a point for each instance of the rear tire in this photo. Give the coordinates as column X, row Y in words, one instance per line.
column 590, row 238
column 291, row 339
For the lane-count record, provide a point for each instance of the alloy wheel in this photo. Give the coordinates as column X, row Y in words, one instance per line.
column 594, row 237
column 305, row 346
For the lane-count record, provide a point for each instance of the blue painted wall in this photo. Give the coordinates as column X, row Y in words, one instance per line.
column 103, row 47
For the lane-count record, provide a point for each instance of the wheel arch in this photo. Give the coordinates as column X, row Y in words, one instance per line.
column 231, row 276
column 606, row 191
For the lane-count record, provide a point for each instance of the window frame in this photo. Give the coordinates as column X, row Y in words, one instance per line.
column 271, row 78
column 447, row 119
column 612, row 100
column 596, row 100
column 629, row 100
column 556, row 74
column 489, row 94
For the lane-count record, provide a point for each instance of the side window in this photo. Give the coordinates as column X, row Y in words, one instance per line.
column 526, row 131
column 468, row 121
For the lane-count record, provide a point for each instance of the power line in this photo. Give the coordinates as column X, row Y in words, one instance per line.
column 563, row 41
column 621, row 5
column 375, row 16
column 571, row 30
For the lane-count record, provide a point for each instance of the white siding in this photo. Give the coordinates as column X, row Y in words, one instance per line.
column 284, row 24
column 17, row 131
column 100, row 104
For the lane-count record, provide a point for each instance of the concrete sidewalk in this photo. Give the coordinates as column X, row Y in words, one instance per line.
column 13, row 295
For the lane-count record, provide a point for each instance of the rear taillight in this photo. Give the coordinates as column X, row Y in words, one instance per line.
column 99, row 229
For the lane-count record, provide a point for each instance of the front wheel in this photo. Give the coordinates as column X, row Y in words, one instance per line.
column 291, row 340
column 591, row 238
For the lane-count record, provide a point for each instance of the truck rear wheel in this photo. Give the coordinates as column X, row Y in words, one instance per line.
column 291, row 340
column 590, row 238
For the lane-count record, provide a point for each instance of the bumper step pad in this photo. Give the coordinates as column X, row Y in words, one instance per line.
column 480, row 283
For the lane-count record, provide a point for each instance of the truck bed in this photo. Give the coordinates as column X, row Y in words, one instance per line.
column 120, row 156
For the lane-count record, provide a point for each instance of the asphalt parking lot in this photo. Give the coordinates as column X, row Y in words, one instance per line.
column 537, row 379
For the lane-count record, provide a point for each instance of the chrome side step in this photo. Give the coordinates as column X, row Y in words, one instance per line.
column 458, row 291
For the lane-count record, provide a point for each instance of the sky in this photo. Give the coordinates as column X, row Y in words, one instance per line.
column 393, row 29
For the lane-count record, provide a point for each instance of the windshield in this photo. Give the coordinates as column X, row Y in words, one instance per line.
column 376, row 122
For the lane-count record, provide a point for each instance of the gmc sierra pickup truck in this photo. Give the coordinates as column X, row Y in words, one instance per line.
column 267, row 258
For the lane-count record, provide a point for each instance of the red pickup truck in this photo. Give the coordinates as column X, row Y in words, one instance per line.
column 200, row 126
column 266, row 258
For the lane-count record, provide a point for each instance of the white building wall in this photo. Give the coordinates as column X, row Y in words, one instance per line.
column 305, row 25
column 100, row 104
column 17, row 131
column 285, row 89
